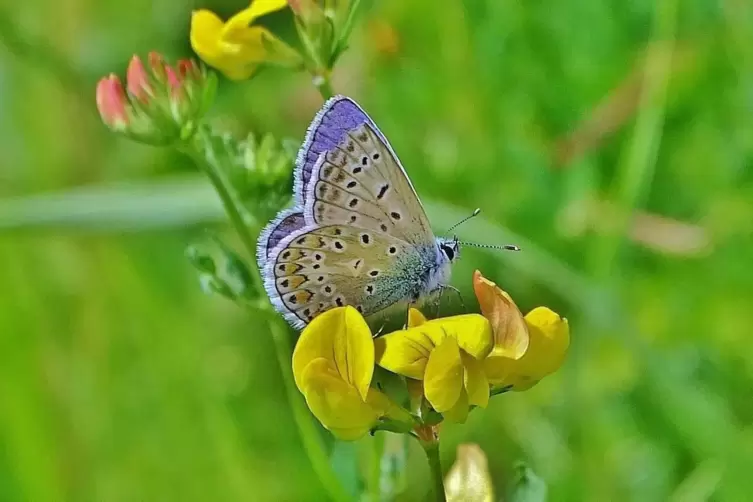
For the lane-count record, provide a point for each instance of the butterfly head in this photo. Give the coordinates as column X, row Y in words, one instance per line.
column 450, row 248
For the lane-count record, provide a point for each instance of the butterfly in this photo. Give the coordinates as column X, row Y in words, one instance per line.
column 357, row 233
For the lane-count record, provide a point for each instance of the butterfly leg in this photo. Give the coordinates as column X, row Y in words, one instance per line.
column 439, row 300
column 456, row 290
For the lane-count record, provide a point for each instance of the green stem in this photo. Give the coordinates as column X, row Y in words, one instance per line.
column 324, row 86
column 435, row 467
column 312, row 441
column 374, row 481
column 202, row 154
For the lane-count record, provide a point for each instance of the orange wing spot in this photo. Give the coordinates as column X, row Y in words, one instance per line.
column 290, row 283
column 303, row 296
column 284, row 269
column 289, row 255
column 309, row 241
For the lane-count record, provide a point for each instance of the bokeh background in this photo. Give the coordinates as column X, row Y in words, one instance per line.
column 611, row 140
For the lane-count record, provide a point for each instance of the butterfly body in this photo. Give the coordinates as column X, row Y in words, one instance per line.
column 357, row 234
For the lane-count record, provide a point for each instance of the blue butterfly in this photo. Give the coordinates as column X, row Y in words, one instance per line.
column 357, row 234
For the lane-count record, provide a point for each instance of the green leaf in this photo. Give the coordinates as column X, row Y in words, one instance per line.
column 221, row 270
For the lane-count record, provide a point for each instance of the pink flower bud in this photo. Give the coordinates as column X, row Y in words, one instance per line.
column 137, row 80
column 112, row 102
column 157, row 64
column 173, row 81
column 188, row 69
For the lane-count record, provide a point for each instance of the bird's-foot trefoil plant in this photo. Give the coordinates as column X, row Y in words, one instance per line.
column 354, row 382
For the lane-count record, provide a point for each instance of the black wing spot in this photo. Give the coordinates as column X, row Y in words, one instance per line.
column 284, row 283
column 339, row 301
column 320, row 278
column 301, row 241
column 359, row 309
column 395, row 215
column 362, row 137
column 374, row 273
column 353, row 203
column 353, row 218
column 383, row 227
column 392, row 250
column 307, row 312
column 350, row 147
column 369, row 289
column 338, row 231
column 318, row 257
column 316, row 266
column 327, row 171
column 365, row 238
column 375, row 156
column 327, row 289
column 357, row 264
column 383, row 190
column 286, row 255
column 293, row 299
column 351, row 184
column 357, row 170
column 364, row 160
column 339, row 245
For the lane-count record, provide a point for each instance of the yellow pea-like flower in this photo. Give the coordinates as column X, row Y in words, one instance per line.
column 446, row 354
column 236, row 47
column 333, row 365
column 526, row 349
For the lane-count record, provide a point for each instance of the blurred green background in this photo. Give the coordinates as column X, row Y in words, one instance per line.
column 611, row 140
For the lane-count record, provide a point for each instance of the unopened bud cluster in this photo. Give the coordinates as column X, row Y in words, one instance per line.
column 159, row 103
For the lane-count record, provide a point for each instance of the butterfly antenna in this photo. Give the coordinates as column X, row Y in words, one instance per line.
column 456, row 225
column 506, row 247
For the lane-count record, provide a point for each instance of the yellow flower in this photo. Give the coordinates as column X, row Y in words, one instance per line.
column 235, row 47
column 333, row 364
column 447, row 355
column 526, row 349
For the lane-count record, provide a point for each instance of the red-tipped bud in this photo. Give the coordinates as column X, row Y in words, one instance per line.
column 157, row 64
column 112, row 103
column 188, row 69
column 165, row 101
column 137, row 80
column 173, row 81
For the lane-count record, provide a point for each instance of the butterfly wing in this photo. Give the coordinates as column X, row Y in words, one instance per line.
column 364, row 239
column 348, row 173
column 313, row 270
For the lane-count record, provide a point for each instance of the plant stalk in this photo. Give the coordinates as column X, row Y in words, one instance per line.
column 200, row 152
column 435, row 468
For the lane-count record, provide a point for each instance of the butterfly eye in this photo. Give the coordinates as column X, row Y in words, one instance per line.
column 448, row 251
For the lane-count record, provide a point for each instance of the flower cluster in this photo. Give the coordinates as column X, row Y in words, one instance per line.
column 455, row 362
column 159, row 104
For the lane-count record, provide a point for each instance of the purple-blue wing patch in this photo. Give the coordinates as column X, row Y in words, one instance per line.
column 287, row 222
column 331, row 125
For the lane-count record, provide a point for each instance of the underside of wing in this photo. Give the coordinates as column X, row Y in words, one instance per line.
column 349, row 174
column 335, row 265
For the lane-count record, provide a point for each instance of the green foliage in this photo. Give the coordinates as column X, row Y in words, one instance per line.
column 120, row 380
